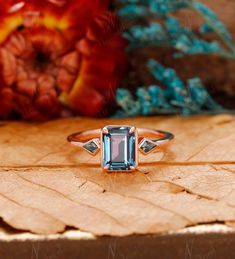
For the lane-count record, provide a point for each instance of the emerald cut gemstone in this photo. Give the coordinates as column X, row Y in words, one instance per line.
column 119, row 145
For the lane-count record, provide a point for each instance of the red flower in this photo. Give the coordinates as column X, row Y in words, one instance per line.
column 56, row 54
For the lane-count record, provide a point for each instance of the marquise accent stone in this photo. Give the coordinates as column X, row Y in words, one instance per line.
column 147, row 146
column 91, row 147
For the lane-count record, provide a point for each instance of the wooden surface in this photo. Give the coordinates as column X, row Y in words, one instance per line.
column 204, row 242
column 46, row 185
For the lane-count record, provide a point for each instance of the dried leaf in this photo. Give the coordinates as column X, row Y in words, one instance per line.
column 46, row 185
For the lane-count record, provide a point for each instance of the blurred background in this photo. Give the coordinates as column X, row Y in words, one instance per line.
column 118, row 58
column 216, row 72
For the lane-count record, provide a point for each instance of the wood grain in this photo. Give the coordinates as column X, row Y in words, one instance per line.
column 46, row 185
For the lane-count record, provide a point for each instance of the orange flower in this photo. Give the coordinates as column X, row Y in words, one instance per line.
column 57, row 54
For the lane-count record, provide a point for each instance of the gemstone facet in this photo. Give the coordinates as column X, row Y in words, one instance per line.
column 146, row 146
column 91, row 147
column 119, row 146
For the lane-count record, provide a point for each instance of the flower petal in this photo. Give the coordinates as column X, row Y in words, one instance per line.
column 65, row 80
column 6, row 100
column 27, row 87
column 103, row 26
column 8, row 63
column 71, row 62
column 85, row 102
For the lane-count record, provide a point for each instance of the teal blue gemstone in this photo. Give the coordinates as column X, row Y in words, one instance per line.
column 147, row 146
column 91, row 147
column 119, row 148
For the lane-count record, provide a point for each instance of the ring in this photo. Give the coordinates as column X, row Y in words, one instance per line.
column 119, row 145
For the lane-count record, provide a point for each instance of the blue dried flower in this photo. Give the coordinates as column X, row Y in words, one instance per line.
column 176, row 97
column 186, row 98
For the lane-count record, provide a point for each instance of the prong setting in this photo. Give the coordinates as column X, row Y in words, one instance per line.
column 106, row 168
column 105, row 130
column 132, row 130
